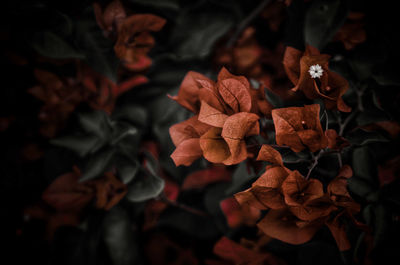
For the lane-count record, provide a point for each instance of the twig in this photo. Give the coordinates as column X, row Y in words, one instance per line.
column 339, row 157
column 184, row 207
column 342, row 125
column 315, row 163
column 296, row 161
column 246, row 22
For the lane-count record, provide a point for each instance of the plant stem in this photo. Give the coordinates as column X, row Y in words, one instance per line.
column 339, row 156
column 342, row 125
column 246, row 22
column 315, row 163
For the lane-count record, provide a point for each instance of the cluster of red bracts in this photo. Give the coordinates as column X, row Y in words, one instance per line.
column 227, row 113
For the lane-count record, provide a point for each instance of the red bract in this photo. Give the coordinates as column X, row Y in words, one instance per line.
column 110, row 18
column 226, row 112
column 283, row 225
column 134, row 40
column 335, row 141
column 60, row 98
column 325, row 84
column 237, row 215
column 237, row 254
column 299, row 127
column 299, row 207
column 159, row 248
column 305, row 198
column 67, row 193
column 352, row 33
column 230, row 94
column 202, row 178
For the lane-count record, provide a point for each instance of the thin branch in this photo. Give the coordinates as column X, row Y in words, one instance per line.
column 315, row 163
column 342, row 126
column 339, row 156
column 246, row 22
column 300, row 160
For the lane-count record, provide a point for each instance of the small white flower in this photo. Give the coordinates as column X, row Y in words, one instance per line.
column 315, row 71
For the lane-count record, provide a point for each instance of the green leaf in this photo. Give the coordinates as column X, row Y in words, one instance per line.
column 239, row 178
column 170, row 5
column 122, row 132
column 97, row 164
column 96, row 122
column 365, row 167
column 119, row 237
column 51, row 45
column 127, row 169
column 363, row 137
column 98, row 50
column 323, row 19
column 360, row 187
column 197, row 30
column 132, row 114
column 144, row 187
column 195, row 226
column 81, row 144
column 381, row 223
column 369, row 116
column 212, row 199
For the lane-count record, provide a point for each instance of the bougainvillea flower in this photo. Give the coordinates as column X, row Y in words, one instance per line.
column 337, row 190
column 186, row 138
column 110, row 17
column 66, row 193
column 134, row 40
column 202, row 178
column 238, row 254
column 109, row 191
column 161, row 250
column 188, row 95
column 305, row 198
column 227, row 145
column 100, row 92
column 335, row 141
column 269, row 154
column 326, row 85
column 265, row 192
column 299, row 127
column 229, row 95
column 283, row 225
column 60, row 98
column 237, row 215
